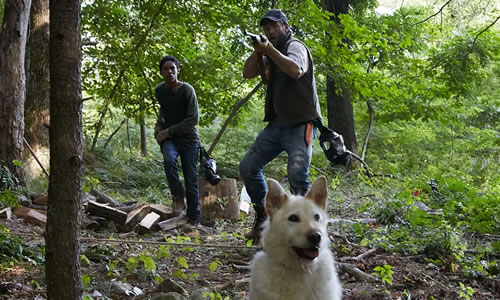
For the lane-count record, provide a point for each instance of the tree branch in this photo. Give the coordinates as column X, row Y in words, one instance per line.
column 434, row 14
column 150, row 89
column 482, row 31
column 122, row 72
column 231, row 116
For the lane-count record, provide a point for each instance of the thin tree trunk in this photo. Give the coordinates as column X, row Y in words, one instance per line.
column 128, row 137
column 340, row 115
column 369, row 131
column 340, row 112
column 12, row 83
column 144, row 145
column 36, row 109
column 66, row 163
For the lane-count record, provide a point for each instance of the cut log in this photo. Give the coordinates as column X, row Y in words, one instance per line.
column 31, row 216
column 127, row 207
column 148, row 223
column 105, row 211
column 102, row 197
column 88, row 223
column 172, row 223
column 41, row 200
column 219, row 201
column 163, row 211
column 7, row 212
column 135, row 216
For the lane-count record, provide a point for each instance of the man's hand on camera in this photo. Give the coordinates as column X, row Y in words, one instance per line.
column 261, row 45
column 162, row 135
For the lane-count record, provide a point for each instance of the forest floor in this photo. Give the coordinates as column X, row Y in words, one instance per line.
column 219, row 264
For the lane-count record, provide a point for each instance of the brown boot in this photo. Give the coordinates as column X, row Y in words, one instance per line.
column 256, row 233
column 177, row 206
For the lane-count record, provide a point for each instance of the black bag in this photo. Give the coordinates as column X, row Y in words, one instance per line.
column 332, row 144
column 208, row 167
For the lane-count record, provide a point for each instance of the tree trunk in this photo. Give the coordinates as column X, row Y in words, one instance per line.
column 12, row 83
column 340, row 113
column 66, row 172
column 36, row 109
column 144, row 145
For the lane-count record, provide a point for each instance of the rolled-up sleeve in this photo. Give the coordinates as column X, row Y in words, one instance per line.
column 298, row 53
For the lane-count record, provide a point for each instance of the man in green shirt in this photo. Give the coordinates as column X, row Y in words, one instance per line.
column 177, row 136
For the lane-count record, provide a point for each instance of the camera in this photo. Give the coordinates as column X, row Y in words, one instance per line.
column 208, row 168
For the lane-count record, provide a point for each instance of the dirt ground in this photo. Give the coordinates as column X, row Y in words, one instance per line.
column 222, row 248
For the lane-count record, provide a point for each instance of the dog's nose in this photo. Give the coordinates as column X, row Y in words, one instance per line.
column 314, row 238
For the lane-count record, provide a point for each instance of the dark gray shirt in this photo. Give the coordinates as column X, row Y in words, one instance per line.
column 178, row 110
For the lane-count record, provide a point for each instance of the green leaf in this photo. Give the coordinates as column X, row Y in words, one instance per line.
column 182, row 261
column 149, row 264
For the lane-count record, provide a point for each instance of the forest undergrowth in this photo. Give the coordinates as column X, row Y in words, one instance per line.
column 417, row 229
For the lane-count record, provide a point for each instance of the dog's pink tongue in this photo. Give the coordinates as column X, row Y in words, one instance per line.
column 312, row 253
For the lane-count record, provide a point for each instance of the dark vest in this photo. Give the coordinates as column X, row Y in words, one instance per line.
column 291, row 102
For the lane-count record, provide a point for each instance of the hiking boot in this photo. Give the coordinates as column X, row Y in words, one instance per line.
column 177, row 206
column 255, row 233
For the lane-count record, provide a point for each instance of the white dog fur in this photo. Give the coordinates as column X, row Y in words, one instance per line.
column 296, row 262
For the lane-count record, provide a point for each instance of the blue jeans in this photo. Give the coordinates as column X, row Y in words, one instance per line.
column 268, row 145
column 188, row 152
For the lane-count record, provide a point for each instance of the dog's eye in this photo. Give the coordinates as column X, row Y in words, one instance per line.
column 293, row 218
column 316, row 217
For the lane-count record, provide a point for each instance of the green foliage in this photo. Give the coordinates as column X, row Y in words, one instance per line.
column 213, row 265
column 86, row 282
column 9, row 186
column 434, row 87
column 384, row 272
column 466, row 292
column 14, row 252
column 214, row 296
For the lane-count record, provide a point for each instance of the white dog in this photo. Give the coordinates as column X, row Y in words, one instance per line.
column 296, row 263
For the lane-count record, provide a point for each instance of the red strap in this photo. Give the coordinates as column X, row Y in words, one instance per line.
column 308, row 134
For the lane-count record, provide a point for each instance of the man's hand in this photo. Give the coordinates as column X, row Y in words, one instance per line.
column 261, row 45
column 162, row 135
column 157, row 130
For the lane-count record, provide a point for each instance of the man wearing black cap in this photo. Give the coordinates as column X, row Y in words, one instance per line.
column 286, row 65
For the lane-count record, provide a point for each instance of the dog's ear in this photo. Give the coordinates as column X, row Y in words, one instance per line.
column 275, row 197
column 318, row 192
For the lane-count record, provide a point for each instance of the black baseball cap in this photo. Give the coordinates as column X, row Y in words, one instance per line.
column 275, row 15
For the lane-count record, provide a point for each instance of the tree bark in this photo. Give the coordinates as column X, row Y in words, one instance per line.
column 36, row 109
column 340, row 112
column 12, row 82
column 340, row 115
column 65, row 195
column 144, row 145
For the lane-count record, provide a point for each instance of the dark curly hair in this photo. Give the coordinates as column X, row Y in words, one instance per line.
column 169, row 58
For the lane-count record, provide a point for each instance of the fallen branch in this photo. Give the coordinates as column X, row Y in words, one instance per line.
column 118, row 241
column 241, row 268
column 36, row 158
column 353, row 221
column 353, row 271
column 359, row 257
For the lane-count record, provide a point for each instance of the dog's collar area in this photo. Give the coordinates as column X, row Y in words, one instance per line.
column 307, row 253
